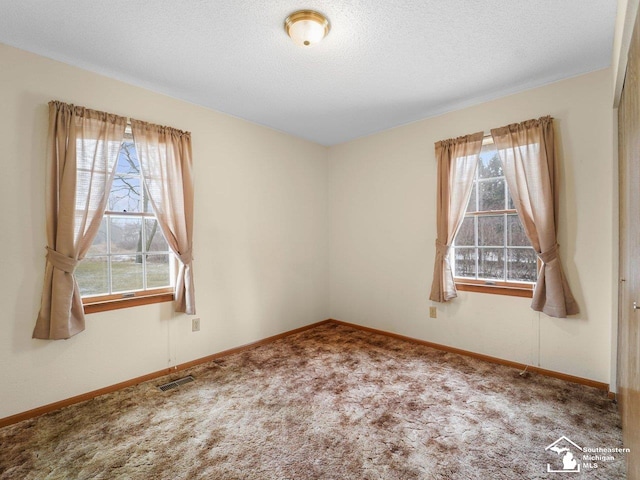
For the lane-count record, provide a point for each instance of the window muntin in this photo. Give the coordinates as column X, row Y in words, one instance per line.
column 129, row 253
column 491, row 246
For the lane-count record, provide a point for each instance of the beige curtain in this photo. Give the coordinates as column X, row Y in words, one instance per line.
column 528, row 157
column 165, row 160
column 83, row 146
column 457, row 161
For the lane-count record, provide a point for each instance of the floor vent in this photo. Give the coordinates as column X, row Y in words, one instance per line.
column 176, row 383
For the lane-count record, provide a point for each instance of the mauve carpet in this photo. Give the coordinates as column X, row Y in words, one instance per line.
column 332, row 402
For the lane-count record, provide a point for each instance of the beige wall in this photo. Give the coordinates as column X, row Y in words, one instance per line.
column 260, row 249
column 382, row 196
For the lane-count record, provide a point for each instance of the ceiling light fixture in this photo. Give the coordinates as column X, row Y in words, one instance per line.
column 306, row 27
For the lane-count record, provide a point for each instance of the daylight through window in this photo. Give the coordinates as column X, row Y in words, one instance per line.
column 129, row 253
column 491, row 245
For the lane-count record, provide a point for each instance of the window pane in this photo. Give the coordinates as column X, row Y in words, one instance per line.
column 471, row 206
column 510, row 204
column 125, row 235
column 465, row 262
column 522, row 265
column 466, row 234
column 492, row 195
column 491, row 263
column 490, row 165
column 515, row 232
column 491, row 230
column 99, row 245
column 126, row 273
column 92, row 276
column 125, row 194
column 84, row 179
column 128, row 159
column 158, row 271
column 155, row 241
column 92, row 154
column 148, row 208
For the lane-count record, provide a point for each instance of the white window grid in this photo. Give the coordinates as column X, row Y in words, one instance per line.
column 109, row 215
column 505, row 247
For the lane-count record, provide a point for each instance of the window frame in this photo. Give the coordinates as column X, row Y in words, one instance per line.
column 118, row 300
column 103, row 303
column 496, row 287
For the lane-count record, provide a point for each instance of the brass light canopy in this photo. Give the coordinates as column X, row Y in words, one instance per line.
column 306, row 27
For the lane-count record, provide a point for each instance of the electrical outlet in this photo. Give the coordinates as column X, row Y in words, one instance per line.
column 433, row 312
column 195, row 324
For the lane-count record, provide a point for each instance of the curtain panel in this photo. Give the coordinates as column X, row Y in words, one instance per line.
column 83, row 146
column 457, row 162
column 528, row 157
column 165, row 160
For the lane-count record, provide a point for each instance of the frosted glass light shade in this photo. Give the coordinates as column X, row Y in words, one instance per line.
column 306, row 27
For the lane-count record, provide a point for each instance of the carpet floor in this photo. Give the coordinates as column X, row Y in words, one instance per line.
column 332, row 402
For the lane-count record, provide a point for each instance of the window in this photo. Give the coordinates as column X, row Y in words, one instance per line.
column 129, row 257
column 491, row 248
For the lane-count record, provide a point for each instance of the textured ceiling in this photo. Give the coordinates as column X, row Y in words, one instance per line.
column 382, row 65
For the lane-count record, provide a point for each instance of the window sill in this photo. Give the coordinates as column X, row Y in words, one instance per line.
column 113, row 302
column 517, row 290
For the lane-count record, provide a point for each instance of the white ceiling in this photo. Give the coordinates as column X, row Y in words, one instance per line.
column 384, row 63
